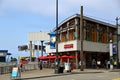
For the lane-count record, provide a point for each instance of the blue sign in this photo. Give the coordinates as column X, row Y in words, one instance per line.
column 114, row 45
column 15, row 72
column 52, row 40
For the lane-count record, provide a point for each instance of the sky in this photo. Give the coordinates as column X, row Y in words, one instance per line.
column 19, row 17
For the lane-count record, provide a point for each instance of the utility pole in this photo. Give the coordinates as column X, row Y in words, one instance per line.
column 41, row 48
column 57, row 61
column 117, row 18
column 111, row 54
column 31, row 50
column 81, row 38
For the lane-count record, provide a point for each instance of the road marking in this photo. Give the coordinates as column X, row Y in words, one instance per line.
column 116, row 79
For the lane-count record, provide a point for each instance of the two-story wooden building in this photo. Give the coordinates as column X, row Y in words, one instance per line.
column 97, row 35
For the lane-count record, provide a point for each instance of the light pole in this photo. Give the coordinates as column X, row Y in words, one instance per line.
column 117, row 25
column 57, row 61
column 81, row 39
column 111, row 54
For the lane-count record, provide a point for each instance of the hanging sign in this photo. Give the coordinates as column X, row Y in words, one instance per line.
column 114, row 46
column 52, row 40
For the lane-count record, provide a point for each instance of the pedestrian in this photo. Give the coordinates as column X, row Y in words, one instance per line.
column 106, row 64
column 98, row 64
column 21, row 65
column 93, row 64
column 40, row 64
column 79, row 64
column 71, row 66
column 115, row 64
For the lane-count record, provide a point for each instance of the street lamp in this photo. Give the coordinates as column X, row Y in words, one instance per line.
column 57, row 61
column 117, row 25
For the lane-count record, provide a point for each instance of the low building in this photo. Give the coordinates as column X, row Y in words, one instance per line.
column 3, row 54
column 96, row 37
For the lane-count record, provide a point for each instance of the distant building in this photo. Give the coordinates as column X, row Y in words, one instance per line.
column 3, row 54
column 97, row 35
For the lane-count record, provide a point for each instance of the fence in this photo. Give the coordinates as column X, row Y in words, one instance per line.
column 7, row 67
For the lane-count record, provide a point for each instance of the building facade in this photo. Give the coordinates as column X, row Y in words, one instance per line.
column 96, row 37
column 3, row 54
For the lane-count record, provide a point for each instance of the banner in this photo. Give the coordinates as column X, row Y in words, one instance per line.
column 114, row 46
column 52, row 40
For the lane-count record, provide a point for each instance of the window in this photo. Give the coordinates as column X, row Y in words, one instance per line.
column 100, row 34
column 66, row 37
column 94, row 34
column 88, row 33
column 74, row 35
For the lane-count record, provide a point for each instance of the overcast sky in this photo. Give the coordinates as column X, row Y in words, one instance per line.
column 18, row 17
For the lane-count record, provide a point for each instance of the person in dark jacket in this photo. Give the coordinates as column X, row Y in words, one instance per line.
column 41, row 64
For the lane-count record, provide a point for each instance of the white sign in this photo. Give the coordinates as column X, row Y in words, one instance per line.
column 38, row 36
column 2, row 54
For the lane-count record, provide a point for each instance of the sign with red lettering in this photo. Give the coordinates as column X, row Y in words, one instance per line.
column 68, row 46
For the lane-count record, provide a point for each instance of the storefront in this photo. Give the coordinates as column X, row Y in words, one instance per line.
column 96, row 37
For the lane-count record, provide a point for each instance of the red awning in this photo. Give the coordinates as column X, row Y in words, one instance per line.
column 71, row 56
column 43, row 57
column 65, row 56
column 53, row 57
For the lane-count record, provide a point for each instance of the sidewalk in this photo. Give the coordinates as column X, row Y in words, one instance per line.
column 50, row 73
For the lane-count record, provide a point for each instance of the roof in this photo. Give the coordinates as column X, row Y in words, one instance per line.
column 3, row 51
column 86, row 18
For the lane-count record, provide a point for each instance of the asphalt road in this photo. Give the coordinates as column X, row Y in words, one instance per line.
column 88, row 76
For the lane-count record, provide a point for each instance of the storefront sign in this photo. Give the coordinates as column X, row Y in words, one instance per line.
column 68, row 46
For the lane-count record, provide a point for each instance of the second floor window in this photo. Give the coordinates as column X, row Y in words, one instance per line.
column 74, row 35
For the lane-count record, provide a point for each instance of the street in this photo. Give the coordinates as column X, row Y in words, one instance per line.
column 86, row 76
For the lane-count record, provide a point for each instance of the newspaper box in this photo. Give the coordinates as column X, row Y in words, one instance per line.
column 16, row 74
column 67, row 67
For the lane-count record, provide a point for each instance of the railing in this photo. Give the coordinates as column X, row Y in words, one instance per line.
column 7, row 67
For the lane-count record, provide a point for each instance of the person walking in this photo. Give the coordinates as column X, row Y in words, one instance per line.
column 41, row 64
column 79, row 64
column 21, row 65
column 115, row 64
column 98, row 64
column 93, row 64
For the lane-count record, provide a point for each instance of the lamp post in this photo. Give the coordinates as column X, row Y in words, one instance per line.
column 57, row 61
column 111, row 54
column 117, row 25
column 81, row 39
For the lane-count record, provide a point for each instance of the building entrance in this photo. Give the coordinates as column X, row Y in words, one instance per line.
column 102, row 57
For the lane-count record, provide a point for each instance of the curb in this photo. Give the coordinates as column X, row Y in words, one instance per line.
column 116, row 79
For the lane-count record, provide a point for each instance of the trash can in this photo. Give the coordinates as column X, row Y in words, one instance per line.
column 60, row 69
